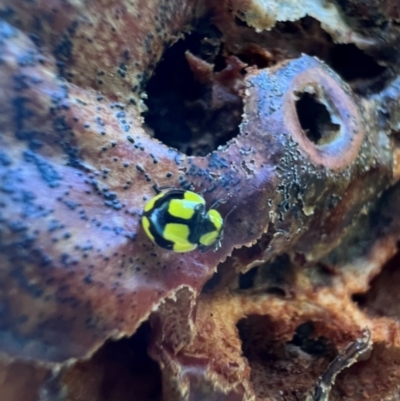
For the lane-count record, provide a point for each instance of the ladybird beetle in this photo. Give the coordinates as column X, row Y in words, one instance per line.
column 178, row 220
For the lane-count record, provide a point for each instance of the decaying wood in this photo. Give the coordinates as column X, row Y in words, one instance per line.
column 289, row 110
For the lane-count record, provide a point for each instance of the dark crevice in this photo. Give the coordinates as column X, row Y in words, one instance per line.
column 315, row 119
column 256, row 334
column 253, row 56
column 185, row 111
column 301, row 360
column 303, row 338
column 276, row 291
column 352, row 63
column 289, row 39
column 383, row 296
column 359, row 299
column 119, row 370
column 246, row 280
column 212, row 283
column 240, row 22
column 198, row 112
column 275, row 277
column 321, row 275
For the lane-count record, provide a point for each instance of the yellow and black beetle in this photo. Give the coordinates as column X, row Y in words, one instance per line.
column 178, row 220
